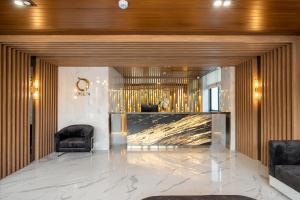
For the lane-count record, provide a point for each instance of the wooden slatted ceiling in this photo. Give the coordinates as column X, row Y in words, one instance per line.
column 166, row 73
column 145, row 54
column 151, row 17
column 45, row 108
column 14, row 103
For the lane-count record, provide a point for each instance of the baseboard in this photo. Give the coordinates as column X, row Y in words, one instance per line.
column 284, row 189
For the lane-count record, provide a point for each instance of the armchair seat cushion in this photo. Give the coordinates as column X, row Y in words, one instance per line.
column 289, row 174
column 73, row 142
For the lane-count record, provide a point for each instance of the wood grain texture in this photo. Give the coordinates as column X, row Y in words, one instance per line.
column 45, row 108
column 296, row 89
column 246, row 109
column 14, row 134
column 151, row 17
column 145, row 54
column 276, row 102
column 198, row 51
column 276, row 99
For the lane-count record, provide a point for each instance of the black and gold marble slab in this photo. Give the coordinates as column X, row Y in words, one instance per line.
column 176, row 129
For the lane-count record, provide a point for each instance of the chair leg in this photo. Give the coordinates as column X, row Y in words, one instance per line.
column 92, row 145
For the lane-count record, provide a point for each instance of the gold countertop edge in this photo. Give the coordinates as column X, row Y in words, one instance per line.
column 169, row 113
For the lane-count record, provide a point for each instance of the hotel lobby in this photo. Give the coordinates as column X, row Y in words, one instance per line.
column 149, row 100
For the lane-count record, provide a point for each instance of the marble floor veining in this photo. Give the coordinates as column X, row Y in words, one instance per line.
column 122, row 175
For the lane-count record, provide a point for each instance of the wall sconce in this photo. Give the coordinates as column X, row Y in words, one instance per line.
column 257, row 86
column 35, row 90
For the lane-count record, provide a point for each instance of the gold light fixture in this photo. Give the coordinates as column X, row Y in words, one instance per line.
column 35, row 90
column 257, row 91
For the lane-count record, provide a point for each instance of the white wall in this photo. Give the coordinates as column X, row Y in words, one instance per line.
column 225, row 79
column 91, row 109
column 210, row 80
column 116, row 82
column 227, row 99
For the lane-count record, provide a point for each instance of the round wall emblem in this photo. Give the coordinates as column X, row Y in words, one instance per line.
column 82, row 86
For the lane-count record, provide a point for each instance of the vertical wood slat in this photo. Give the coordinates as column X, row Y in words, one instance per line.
column 4, row 108
column 246, row 130
column 276, row 102
column 13, row 111
column 264, row 99
column 18, row 111
column 45, row 108
column 8, row 111
column 22, row 110
column 276, row 105
column 284, row 93
column 1, row 102
column 27, row 96
column 14, row 91
column 36, row 104
column 279, row 85
column 42, row 116
column 289, row 91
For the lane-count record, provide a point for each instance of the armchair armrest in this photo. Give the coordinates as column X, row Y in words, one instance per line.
column 283, row 153
column 57, row 138
column 89, row 134
column 89, row 137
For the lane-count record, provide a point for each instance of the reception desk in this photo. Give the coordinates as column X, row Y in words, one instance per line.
column 166, row 128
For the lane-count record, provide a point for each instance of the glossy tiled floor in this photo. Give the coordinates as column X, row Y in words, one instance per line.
column 121, row 175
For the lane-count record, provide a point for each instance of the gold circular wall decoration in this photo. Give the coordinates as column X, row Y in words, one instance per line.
column 82, row 84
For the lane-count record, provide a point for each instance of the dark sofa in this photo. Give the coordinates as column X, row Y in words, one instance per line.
column 75, row 138
column 284, row 167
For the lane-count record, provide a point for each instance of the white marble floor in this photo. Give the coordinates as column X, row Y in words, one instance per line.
column 121, row 175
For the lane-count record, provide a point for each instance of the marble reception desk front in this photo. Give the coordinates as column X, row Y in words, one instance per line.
column 167, row 129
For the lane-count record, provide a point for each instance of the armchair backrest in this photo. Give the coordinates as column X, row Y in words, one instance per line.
column 80, row 130
column 283, row 153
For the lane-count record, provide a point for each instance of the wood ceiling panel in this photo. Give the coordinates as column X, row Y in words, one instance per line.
column 145, row 53
column 164, row 72
column 199, row 54
column 144, row 62
column 151, row 17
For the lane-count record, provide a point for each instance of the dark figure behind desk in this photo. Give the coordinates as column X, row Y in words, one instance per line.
column 149, row 108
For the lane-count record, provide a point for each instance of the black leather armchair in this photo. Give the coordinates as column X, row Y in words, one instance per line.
column 75, row 138
column 284, row 162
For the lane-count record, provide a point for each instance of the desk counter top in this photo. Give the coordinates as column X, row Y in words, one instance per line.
column 169, row 113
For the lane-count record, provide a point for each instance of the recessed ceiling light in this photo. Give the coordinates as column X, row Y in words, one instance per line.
column 227, row 3
column 123, row 4
column 19, row 3
column 24, row 3
column 27, row 3
column 218, row 3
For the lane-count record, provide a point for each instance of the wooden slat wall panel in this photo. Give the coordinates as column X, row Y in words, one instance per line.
column 246, row 109
column 45, row 108
column 276, row 102
column 14, row 92
column 276, row 99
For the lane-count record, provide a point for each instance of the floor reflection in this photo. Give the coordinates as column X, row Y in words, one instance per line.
column 133, row 175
